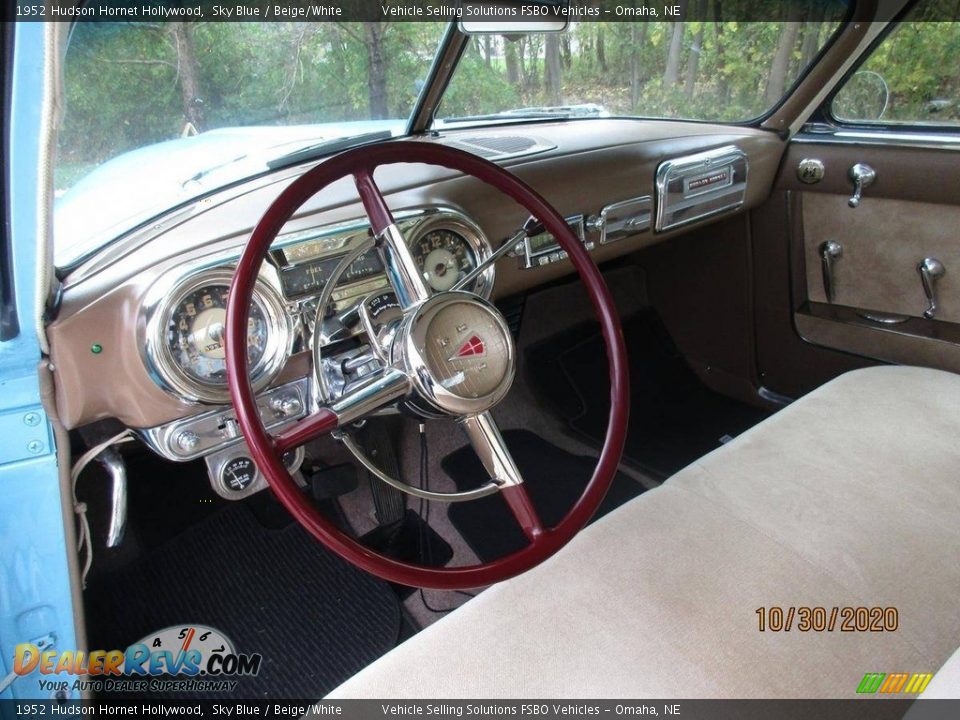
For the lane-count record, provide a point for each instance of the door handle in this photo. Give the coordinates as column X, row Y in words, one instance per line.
column 930, row 270
column 830, row 252
column 863, row 176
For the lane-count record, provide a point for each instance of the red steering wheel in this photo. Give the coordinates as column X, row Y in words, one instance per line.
column 419, row 373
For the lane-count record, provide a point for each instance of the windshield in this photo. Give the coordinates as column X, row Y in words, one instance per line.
column 158, row 114
column 710, row 71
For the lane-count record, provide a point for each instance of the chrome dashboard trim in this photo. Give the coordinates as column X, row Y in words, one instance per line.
column 681, row 167
column 413, row 223
column 611, row 231
column 553, row 252
column 167, row 292
column 282, row 314
column 218, row 430
column 458, row 222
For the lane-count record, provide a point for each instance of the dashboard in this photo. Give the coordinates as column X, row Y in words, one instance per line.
column 138, row 336
column 185, row 318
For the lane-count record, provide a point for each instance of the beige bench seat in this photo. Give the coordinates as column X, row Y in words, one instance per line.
column 848, row 497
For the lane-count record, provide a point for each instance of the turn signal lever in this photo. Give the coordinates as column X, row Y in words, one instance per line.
column 531, row 228
column 930, row 270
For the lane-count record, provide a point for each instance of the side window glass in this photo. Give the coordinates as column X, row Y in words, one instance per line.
column 911, row 77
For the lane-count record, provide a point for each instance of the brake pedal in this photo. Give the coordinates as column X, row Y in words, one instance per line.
column 332, row 482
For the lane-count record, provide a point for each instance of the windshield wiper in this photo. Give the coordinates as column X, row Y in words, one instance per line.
column 328, row 147
column 210, row 170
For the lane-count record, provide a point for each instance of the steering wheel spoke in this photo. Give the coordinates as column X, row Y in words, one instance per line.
column 382, row 389
column 402, row 269
column 312, row 426
column 492, row 450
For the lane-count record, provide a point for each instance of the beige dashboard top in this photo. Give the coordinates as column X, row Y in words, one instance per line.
column 594, row 163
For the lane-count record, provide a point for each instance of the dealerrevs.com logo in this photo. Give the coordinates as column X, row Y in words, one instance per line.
column 178, row 658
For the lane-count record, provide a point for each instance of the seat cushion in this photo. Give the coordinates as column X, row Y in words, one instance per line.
column 849, row 497
column 945, row 685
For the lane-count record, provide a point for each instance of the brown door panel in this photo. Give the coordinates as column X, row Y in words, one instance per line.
column 883, row 242
column 911, row 212
column 923, row 174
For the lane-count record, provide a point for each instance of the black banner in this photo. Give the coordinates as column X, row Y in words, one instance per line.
column 879, row 709
column 513, row 11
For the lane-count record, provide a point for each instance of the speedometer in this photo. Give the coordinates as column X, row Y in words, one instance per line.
column 186, row 340
column 445, row 257
column 195, row 334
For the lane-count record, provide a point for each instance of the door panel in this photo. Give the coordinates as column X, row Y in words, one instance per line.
column 883, row 242
column 911, row 212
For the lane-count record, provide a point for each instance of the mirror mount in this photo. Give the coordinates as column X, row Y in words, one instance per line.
column 512, row 17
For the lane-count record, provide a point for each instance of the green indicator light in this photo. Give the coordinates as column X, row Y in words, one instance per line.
column 96, row 348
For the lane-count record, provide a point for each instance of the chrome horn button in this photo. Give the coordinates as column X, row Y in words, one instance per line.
column 459, row 353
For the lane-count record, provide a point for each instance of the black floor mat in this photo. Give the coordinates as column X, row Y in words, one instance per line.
column 674, row 418
column 315, row 619
column 554, row 478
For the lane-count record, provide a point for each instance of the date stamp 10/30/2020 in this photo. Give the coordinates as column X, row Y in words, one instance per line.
column 776, row 618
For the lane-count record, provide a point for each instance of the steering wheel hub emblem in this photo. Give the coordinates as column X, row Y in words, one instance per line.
column 474, row 347
column 458, row 350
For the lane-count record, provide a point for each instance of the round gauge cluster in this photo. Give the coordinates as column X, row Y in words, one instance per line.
column 445, row 257
column 449, row 247
column 238, row 474
column 195, row 333
column 187, row 345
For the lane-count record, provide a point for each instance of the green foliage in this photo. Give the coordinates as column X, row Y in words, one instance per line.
column 129, row 84
column 124, row 82
column 723, row 69
column 121, row 86
column 917, row 64
column 487, row 87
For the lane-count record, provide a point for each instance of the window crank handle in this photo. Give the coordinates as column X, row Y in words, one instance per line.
column 863, row 177
column 930, row 270
column 830, row 252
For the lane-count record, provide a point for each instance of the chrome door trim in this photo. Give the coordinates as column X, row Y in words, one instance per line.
column 820, row 135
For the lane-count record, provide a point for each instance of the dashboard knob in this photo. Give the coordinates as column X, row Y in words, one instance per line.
column 286, row 407
column 188, row 440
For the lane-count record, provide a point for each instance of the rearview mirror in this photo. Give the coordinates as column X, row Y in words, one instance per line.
column 510, row 17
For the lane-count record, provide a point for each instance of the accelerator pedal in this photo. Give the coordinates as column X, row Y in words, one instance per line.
column 389, row 503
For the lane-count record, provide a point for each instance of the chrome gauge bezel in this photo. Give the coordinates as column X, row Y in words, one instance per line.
column 460, row 224
column 167, row 372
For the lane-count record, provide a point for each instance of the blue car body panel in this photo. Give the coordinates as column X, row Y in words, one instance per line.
column 35, row 597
